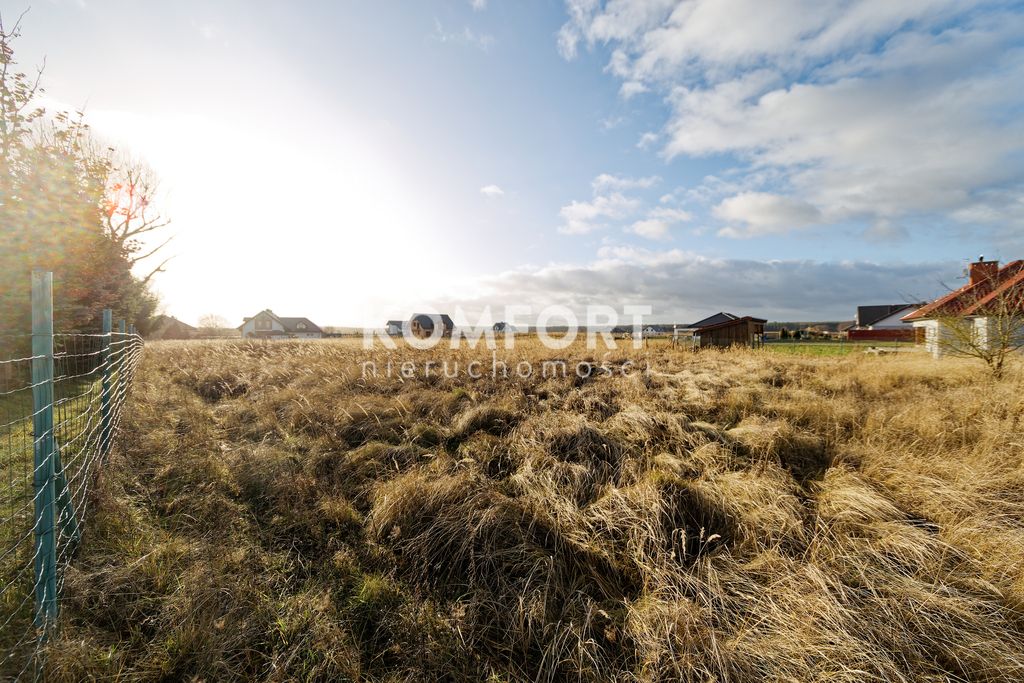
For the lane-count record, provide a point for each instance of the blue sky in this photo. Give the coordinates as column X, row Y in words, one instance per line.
column 354, row 161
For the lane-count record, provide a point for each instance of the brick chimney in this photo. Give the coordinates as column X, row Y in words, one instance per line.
column 982, row 270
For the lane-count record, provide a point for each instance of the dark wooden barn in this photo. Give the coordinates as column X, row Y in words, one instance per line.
column 723, row 330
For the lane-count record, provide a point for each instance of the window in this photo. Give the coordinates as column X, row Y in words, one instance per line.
column 301, row 326
column 263, row 323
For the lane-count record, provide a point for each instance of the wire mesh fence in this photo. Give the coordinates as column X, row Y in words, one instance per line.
column 60, row 407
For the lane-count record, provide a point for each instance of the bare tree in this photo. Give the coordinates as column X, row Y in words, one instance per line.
column 987, row 325
column 212, row 321
column 130, row 216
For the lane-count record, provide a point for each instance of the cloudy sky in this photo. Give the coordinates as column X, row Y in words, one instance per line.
column 354, row 161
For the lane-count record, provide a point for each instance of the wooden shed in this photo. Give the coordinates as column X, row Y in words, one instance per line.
column 723, row 330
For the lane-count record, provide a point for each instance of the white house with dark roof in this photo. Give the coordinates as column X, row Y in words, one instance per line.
column 885, row 316
column 268, row 325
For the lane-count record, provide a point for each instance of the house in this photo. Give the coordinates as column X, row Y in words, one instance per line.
column 991, row 293
column 505, row 328
column 883, row 322
column 169, row 327
column 268, row 325
column 422, row 324
column 393, row 327
column 723, row 330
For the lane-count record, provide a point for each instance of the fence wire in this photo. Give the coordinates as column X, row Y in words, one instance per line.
column 92, row 375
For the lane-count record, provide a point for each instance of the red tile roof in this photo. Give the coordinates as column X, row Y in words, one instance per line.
column 972, row 299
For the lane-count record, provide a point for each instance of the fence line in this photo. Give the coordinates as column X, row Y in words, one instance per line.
column 60, row 408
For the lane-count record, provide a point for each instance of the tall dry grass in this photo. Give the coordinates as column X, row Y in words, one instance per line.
column 732, row 516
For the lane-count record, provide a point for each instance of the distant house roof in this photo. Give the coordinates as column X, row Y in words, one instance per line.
column 164, row 320
column 426, row 320
column 721, row 319
column 394, row 323
column 893, row 321
column 169, row 327
column 975, row 297
column 293, row 325
column 289, row 324
column 869, row 315
column 715, row 319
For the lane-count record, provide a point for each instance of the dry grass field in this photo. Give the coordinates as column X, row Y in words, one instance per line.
column 272, row 515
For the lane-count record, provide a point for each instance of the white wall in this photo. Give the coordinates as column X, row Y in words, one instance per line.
column 892, row 322
column 933, row 332
column 938, row 338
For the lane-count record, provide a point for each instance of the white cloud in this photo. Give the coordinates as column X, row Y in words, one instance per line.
column 609, row 203
column 607, row 181
column 658, row 223
column 629, row 89
column 651, row 228
column 867, row 110
column 886, row 231
column 646, row 140
column 612, row 122
column 682, row 286
column 660, row 38
column 580, row 218
column 761, row 213
column 669, row 214
column 478, row 5
column 467, row 36
column 491, row 191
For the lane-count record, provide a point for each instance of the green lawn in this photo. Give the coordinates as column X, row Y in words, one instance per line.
column 829, row 348
column 76, row 416
column 16, row 514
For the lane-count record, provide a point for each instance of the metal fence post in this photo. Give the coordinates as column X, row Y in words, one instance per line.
column 108, row 324
column 122, row 354
column 42, row 430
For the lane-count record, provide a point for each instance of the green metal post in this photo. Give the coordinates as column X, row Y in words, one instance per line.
column 108, row 324
column 67, row 518
column 42, row 429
